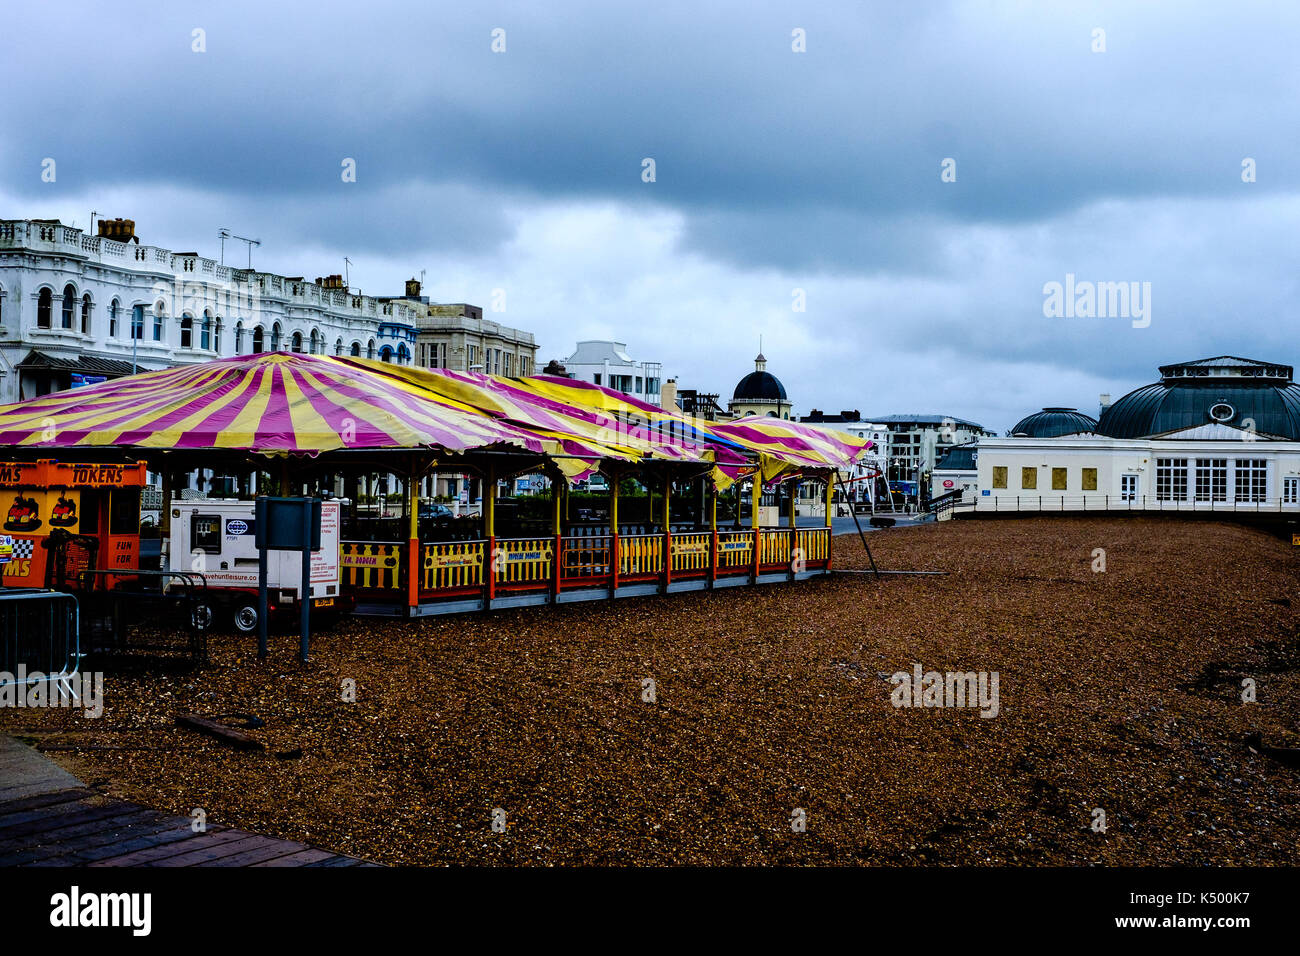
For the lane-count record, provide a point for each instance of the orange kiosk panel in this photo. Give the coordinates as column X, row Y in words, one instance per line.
column 98, row 500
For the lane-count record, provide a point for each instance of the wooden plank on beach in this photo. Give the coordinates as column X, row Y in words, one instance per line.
column 231, row 735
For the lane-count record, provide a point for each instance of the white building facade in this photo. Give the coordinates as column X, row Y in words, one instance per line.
column 76, row 309
column 1204, row 468
column 1215, row 434
column 608, row 363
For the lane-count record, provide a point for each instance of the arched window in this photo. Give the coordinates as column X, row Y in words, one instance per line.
column 338, row 347
column 69, row 303
column 370, row 349
column 85, row 314
column 114, row 314
column 187, row 331
column 137, row 321
column 356, row 349
column 239, row 337
column 216, row 334
column 275, row 337
column 44, row 306
column 296, row 342
column 403, row 356
column 258, row 340
column 315, row 342
column 205, row 331
column 159, row 314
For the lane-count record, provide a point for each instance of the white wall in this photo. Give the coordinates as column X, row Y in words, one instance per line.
column 1114, row 458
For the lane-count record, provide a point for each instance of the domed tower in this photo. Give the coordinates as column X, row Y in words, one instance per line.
column 1226, row 391
column 1053, row 423
column 760, row 393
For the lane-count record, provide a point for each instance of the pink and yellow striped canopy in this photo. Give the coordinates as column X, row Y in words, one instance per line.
column 291, row 404
column 271, row 403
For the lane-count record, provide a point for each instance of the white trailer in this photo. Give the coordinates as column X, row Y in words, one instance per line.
column 216, row 537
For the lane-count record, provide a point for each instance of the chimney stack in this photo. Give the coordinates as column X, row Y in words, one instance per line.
column 119, row 230
column 668, row 396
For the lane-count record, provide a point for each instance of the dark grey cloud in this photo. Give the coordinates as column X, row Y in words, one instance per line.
column 775, row 169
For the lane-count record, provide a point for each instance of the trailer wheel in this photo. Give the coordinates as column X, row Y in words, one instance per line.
column 245, row 617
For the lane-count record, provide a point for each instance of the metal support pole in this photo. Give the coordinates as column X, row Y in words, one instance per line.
column 862, row 534
column 304, row 596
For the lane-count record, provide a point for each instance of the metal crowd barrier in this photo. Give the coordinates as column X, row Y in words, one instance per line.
column 39, row 634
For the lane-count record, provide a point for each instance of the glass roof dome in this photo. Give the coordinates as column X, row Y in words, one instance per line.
column 1054, row 422
column 1241, row 393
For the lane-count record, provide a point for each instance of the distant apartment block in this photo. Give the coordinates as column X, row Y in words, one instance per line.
column 456, row 336
column 608, row 363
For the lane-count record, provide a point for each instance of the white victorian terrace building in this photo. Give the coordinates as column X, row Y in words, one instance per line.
column 76, row 309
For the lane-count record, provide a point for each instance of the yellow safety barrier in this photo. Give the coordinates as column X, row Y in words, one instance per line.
column 641, row 554
column 814, row 543
column 691, row 551
column 735, row 550
column 365, row 564
column 455, row 564
column 523, row 560
column 774, row 547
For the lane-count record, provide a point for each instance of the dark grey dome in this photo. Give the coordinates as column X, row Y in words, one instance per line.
column 1053, row 423
column 760, row 387
column 1243, row 393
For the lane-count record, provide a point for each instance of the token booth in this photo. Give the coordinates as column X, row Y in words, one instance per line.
column 68, row 517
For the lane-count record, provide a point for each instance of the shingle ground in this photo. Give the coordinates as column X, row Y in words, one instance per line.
column 1120, row 691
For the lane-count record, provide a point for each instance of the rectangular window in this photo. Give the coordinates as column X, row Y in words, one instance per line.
column 137, row 322
column 999, row 476
column 1090, row 479
column 1252, row 479
column 1029, row 478
column 1290, row 491
column 124, row 511
column 1058, row 479
column 1171, row 479
column 1211, row 479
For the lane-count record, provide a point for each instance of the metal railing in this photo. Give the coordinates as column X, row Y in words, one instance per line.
column 40, row 634
column 1123, row 502
column 586, row 556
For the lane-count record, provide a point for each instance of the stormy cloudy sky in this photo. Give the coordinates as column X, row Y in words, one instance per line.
column 775, row 170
